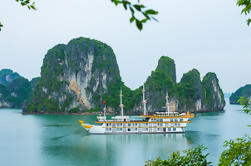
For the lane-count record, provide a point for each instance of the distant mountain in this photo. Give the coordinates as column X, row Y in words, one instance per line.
column 14, row 89
column 7, row 76
column 79, row 76
column 243, row 91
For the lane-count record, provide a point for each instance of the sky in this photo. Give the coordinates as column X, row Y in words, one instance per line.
column 209, row 35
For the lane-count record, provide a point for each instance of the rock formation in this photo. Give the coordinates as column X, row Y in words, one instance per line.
column 244, row 91
column 79, row 76
column 14, row 89
column 76, row 77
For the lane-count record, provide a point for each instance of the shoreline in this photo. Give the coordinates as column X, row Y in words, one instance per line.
column 65, row 113
column 96, row 113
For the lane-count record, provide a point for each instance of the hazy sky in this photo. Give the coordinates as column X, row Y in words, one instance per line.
column 209, row 35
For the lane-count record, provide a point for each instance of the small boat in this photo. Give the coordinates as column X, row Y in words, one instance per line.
column 158, row 123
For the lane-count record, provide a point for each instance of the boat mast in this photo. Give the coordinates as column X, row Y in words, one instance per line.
column 144, row 101
column 121, row 104
column 104, row 110
column 167, row 104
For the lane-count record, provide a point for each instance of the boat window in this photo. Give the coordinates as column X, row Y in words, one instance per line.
column 171, row 120
column 132, row 129
column 129, row 124
column 145, row 129
column 181, row 120
column 108, row 129
column 107, row 124
column 174, row 129
column 169, row 129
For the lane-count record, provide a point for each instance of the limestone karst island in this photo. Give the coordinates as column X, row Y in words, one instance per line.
column 79, row 76
column 125, row 83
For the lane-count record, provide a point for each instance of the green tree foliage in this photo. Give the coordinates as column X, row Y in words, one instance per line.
column 140, row 14
column 140, row 9
column 247, row 7
column 28, row 3
column 193, row 156
column 238, row 152
column 246, row 104
column 136, row 9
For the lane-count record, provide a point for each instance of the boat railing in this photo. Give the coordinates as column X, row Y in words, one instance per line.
column 123, row 121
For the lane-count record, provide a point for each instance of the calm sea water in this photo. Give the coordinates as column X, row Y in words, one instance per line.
column 49, row 140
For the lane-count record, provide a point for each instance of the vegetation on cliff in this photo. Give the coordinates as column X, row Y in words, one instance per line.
column 212, row 93
column 14, row 89
column 79, row 76
column 161, row 81
column 189, row 89
column 188, row 94
column 244, row 91
column 7, row 76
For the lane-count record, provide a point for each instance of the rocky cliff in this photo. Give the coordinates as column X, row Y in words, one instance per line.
column 14, row 89
column 161, row 81
column 241, row 92
column 190, row 94
column 7, row 76
column 213, row 97
column 79, row 76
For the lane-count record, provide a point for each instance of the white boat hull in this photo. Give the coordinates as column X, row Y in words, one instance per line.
column 98, row 129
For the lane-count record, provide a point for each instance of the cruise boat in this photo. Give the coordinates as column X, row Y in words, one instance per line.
column 158, row 123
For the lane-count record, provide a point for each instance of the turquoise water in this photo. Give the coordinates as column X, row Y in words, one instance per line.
column 48, row 140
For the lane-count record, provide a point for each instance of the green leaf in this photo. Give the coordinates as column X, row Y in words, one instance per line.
column 144, row 20
column 152, row 12
column 146, row 15
column 132, row 11
column 132, row 19
column 137, row 7
column 139, row 24
column 248, row 21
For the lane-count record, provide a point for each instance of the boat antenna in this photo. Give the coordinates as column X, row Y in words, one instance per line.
column 104, row 102
column 104, row 109
column 121, row 104
column 167, row 103
column 144, row 100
